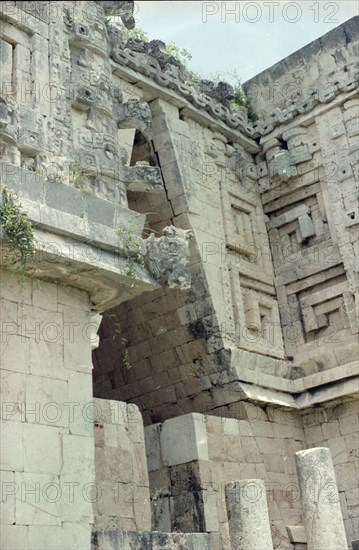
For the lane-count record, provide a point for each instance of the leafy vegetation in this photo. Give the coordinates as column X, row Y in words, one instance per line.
column 137, row 32
column 181, row 54
column 241, row 99
column 18, row 232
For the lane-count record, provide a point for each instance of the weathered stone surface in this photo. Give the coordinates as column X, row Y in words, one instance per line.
column 297, row 534
column 121, row 467
column 149, row 541
column 321, row 507
column 193, row 442
column 267, row 316
column 248, row 515
column 168, row 257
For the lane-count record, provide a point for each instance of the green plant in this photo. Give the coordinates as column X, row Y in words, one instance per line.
column 181, row 54
column 137, row 32
column 58, row 178
column 123, row 341
column 243, row 100
column 18, row 232
column 131, row 245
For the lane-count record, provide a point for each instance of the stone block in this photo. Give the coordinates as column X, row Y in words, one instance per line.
column 250, row 450
column 138, row 540
column 38, row 499
column 45, row 401
column 135, row 423
column 73, row 297
column 99, row 211
column 210, row 512
column 245, row 428
column 161, row 515
column 187, row 512
column 214, row 424
column 83, row 409
column 65, row 198
column 352, row 496
column 338, row 450
column 110, row 433
column 331, row 430
column 46, row 359
column 159, row 483
column 76, row 536
column 313, row 435
column 13, row 537
column 11, row 448
column 41, row 448
column 77, row 500
column 72, row 536
column 77, row 348
column 346, row 475
column 140, row 464
column 352, row 445
column 297, row 534
column 153, row 447
column 349, row 424
column 192, row 541
column 44, row 294
column 78, row 459
column 115, row 501
column 8, row 316
column 231, row 426
column 41, row 324
column 8, row 490
column 6, row 62
column 142, row 508
column 192, row 445
column 12, row 290
column 15, row 352
column 162, row 541
column 12, row 386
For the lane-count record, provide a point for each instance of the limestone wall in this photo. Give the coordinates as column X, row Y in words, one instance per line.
column 181, row 343
column 188, row 474
column 309, row 193
column 122, row 502
column 273, row 258
column 62, row 156
column 47, row 440
column 98, row 134
column 317, row 67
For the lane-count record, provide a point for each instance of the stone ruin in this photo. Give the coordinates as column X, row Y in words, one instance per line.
column 179, row 359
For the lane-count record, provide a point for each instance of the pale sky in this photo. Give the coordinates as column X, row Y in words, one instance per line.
column 248, row 41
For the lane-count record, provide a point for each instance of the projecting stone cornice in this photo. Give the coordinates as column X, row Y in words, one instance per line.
column 307, row 391
column 153, row 90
